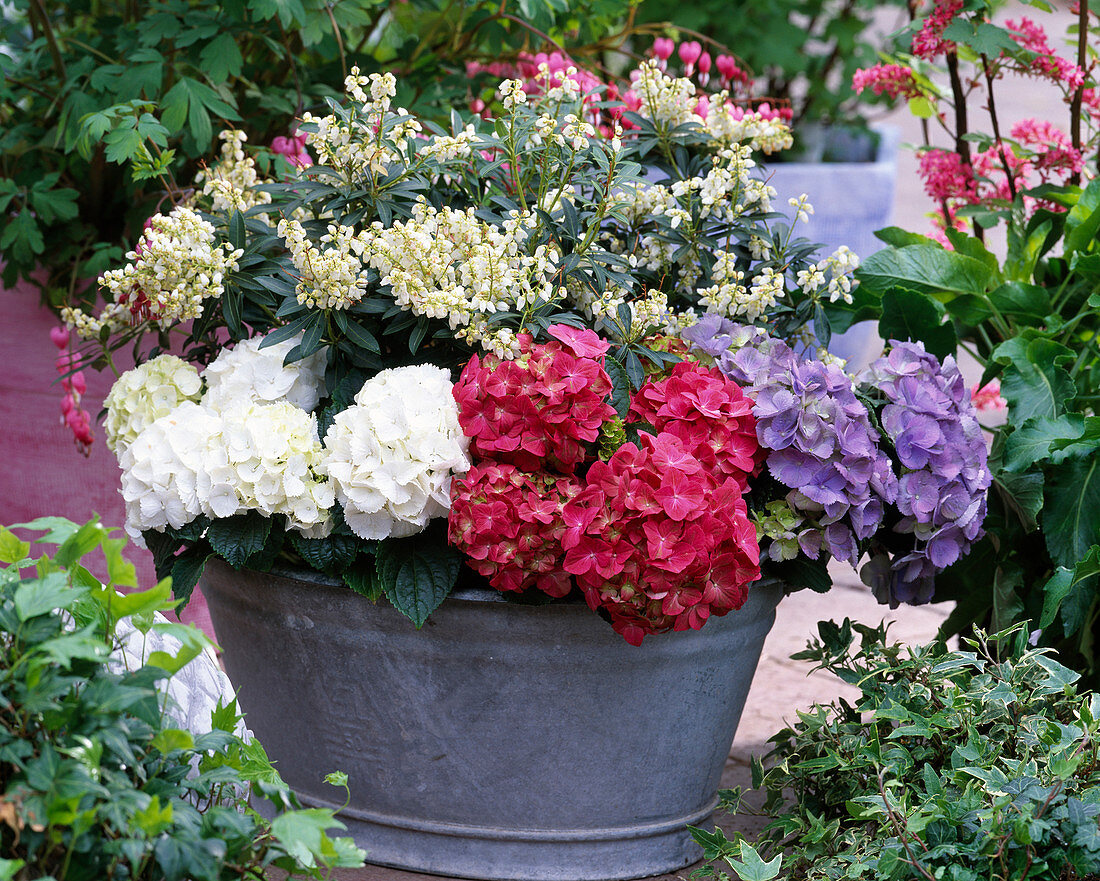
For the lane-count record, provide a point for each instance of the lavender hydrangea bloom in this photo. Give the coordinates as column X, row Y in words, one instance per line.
column 943, row 474
column 821, row 441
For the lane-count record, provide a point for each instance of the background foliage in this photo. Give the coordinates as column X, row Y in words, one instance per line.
column 174, row 72
column 95, row 779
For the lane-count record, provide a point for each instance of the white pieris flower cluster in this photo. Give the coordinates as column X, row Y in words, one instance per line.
column 839, row 266
column 766, row 288
column 392, row 454
column 201, row 460
column 448, row 148
column 331, row 277
column 249, row 372
column 727, row 297
column 354, row 146
column 231, row 182
column 733, row 125
column 175, row 267
column 667, row 101
column 141, row 396
column 451, row 265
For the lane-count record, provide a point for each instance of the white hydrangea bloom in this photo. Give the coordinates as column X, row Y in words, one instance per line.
column 251, row 456
column 253, row 373
column 141, row 396
column 274, row 456
column 175, row 470
column 392, row 454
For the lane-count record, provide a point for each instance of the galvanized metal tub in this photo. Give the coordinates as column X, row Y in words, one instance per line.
column 502, row 741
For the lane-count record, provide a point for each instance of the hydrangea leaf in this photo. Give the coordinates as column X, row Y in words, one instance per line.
column 1032, row 441
column 1034, row 383
column 1079, row 579
column 331, row 554
column 1071, row 511
column 923, row 268
column 912, row 315
column 238, row 537
column 417, row 573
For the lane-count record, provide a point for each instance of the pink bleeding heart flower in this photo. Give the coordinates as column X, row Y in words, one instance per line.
column 60, row 337
column 663, row 48
column 689, row 53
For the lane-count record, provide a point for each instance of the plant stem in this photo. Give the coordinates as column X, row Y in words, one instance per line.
column 37, row 9
column 962, row 146
column 991, row 105
column 339, row 40
column 1078, row 93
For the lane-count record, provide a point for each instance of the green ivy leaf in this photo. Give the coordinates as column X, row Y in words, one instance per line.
column 751, row 867
column 418, row 572
column 238, row 537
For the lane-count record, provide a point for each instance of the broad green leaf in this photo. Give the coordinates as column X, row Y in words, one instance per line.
column 927, row 268
column 417, row 573
column 186, row 570
column 911, row 315
column 899, row 238
column 921, row 107
column 220, row 58
column 1031, row 442
column 1085, row 444
column 169, row 739
column 1071, row 510
column 1027, row 303
column 1034, row 383
column 154, row 818
column 332, row 554
column 1024, row 250
column 43, row 595
column 1066, row 581
column 970, row 309
column 981, row 36
column 362, row 577
column 1083, row 220
column 304, row 834
column 238, row 537
column 12, row 549
column 192, row 643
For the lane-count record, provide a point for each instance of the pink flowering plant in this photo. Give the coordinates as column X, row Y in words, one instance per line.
column 441, row 357
column 1031, row 319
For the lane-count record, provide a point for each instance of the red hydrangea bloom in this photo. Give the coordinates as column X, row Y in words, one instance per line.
column 708, row 413
column 540, row 409
column 660, row 541
column 511, row 524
